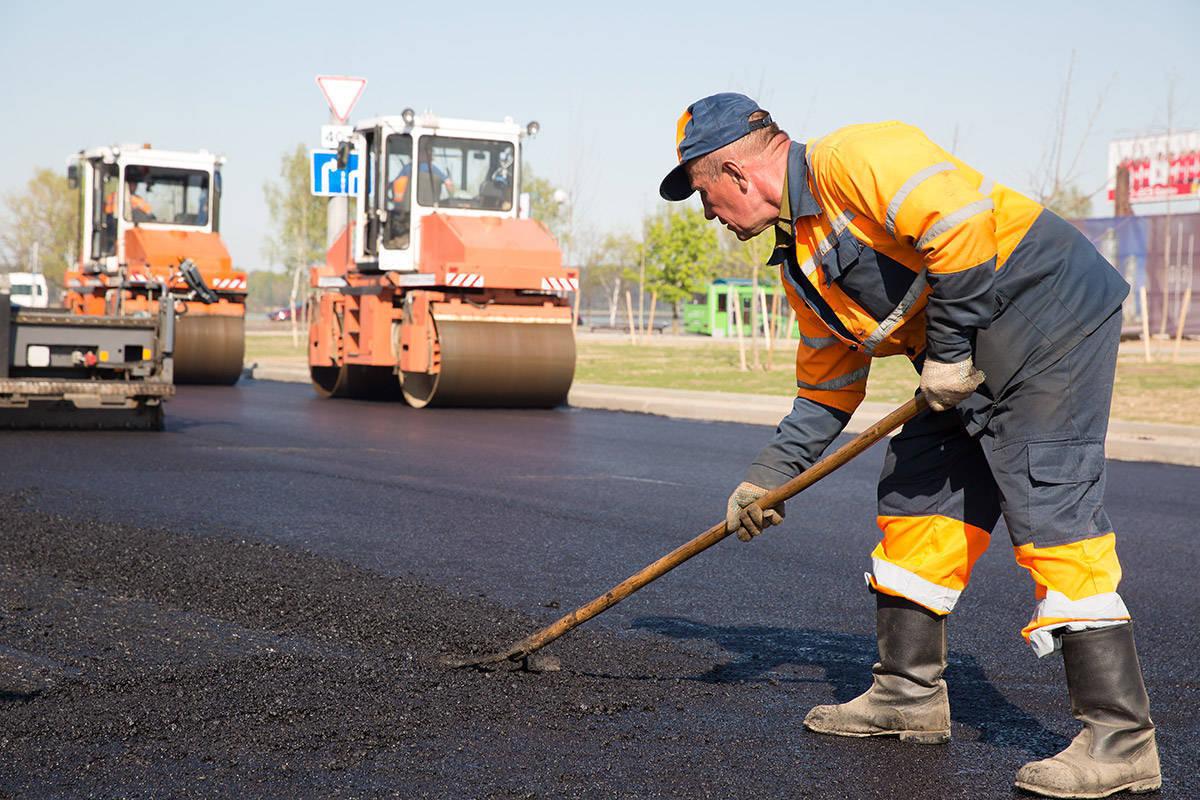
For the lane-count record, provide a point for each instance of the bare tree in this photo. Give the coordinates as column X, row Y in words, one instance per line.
column 1055, row 181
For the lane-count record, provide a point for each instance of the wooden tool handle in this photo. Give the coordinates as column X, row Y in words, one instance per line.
column 843, row 454
column 716, row 533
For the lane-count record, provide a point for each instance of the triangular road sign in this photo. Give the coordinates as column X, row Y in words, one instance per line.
column 341, row 93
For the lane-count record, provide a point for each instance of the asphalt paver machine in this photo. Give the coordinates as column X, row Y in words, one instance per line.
column 63, row 370
column 149, row 218
column 439, row 288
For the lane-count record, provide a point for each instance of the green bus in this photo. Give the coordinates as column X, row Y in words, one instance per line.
column 709, row 313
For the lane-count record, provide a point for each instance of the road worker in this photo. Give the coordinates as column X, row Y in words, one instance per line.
column 137, row 208
column 399, row 205
column 426, row 169
column 889, row 245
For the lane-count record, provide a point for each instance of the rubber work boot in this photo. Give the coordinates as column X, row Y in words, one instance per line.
column 1116, row 750
column 908, row 696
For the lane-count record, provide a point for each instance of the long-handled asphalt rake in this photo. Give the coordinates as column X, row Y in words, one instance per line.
column 521, row 650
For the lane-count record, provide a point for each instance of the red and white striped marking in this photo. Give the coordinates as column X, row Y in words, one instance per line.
column 229, row 284
column 465, row 280
column 560, row 284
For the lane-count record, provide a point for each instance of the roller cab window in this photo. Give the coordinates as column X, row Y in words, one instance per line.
column 398, row 191
column 465, row 173
column 166, row 195
column 104, row 221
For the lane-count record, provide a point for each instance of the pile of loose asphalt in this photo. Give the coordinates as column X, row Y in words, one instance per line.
column 138, row 662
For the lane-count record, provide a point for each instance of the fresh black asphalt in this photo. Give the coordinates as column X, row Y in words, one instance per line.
column 254, row 602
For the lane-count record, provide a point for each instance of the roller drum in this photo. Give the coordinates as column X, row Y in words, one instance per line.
column 325, row 380
column 209, row 349
column 356, row 382
column 497, row 364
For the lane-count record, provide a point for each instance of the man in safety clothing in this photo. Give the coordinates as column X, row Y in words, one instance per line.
column 430, row 176
column 137, row 207
column 437, row 177
column 889, row 245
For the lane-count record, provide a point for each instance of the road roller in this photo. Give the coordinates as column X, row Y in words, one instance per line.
column 149, row 218
column 440, row 290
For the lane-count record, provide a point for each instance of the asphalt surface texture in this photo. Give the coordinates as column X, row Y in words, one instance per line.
column 256, row 602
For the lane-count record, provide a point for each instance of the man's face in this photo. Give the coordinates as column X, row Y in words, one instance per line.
column 732, row 199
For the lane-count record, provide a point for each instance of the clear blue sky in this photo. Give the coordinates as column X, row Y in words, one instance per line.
column 606, row 80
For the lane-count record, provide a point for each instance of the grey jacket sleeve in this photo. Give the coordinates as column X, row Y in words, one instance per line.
column 799, row 441
column 960, row 304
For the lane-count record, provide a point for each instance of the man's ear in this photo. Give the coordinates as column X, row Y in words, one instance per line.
column 737, row 174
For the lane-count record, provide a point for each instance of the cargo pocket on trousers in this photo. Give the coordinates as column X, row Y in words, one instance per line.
column 1066, row 491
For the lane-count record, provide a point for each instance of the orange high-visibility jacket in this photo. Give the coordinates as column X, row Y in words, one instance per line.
column 901, row 248
column 400, row 184
column 136, row 203
column 399, row 187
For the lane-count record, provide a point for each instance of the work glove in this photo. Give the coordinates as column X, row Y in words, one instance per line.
column 744, row 517
column 947, row 385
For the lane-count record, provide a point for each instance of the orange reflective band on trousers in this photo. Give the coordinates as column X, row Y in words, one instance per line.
column 1076, row 588
column 926, row 559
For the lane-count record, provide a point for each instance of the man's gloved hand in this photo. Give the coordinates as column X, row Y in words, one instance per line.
column 947, row 385
column 744, row 517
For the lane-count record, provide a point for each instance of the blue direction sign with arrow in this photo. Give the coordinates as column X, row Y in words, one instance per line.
column 326, row 180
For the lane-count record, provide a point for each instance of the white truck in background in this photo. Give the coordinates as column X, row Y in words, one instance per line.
column 26, row 289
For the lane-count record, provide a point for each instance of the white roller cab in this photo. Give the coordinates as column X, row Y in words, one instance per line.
column 467, row 168
column 135, row 186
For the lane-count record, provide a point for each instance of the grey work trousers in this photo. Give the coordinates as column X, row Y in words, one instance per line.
column 1039, row 461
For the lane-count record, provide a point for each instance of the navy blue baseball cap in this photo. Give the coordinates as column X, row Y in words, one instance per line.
column 707, row 125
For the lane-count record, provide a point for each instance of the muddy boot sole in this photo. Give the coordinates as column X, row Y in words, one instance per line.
column 910, row 737
column 1133, row 787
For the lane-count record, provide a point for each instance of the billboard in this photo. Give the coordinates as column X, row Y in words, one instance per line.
column 1160, row 167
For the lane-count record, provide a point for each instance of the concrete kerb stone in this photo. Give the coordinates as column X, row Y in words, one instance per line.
column 282, row 372
column 1127, row 441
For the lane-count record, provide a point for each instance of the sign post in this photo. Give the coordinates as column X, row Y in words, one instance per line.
column 341, row 93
